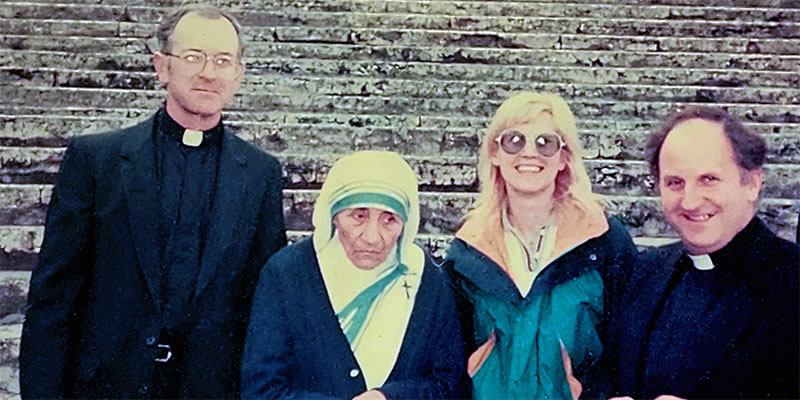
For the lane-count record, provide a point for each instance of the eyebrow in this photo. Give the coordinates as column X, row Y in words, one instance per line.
column 205, row 51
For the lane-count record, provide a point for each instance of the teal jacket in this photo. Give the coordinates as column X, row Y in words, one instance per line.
column 568, row 304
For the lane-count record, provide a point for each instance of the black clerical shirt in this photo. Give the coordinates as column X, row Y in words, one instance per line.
column 726, row 332
column 186, row 181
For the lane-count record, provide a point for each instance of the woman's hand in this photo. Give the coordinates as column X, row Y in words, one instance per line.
column 373, row 394
column 479, row 356
column 575, row 387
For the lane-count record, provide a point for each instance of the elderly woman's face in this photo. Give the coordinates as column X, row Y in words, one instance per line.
column 529, row 171
column 367, row 234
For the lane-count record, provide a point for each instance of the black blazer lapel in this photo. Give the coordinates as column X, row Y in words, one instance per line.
column 640, row 305
column 227, row 206
column 138, row 175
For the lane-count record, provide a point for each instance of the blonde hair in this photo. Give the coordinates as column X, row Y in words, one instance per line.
column 572, row 183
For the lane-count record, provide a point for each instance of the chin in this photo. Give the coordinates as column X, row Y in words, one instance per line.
column 207, row 110
column 366, row 265
column 529, row 189
column 700, row 245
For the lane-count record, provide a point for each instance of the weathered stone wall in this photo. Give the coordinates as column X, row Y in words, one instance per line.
column 327, row 77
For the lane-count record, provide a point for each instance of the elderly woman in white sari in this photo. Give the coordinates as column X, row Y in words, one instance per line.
column 358, row 310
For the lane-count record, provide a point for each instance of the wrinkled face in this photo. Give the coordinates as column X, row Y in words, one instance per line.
column 528, row 172
column 367, row 234
column 199, row 89
column 704, row 195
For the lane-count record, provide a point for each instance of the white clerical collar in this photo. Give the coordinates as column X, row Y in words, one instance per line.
column 192, row 138
column 702, row 262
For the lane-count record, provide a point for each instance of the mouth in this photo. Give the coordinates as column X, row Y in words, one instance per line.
column 528, row 168
column 204, row 90
column 698, row 217
column 366, row 253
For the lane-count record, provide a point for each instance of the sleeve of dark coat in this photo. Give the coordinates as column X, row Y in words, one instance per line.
column 64, row 261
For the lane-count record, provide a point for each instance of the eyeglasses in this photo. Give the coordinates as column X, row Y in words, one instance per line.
column 547, row 144
column 195, row 61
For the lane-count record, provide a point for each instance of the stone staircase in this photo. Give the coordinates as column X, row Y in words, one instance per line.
column 326, row 78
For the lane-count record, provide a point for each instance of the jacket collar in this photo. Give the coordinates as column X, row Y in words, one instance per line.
column 574, row 227
column 487, row 267
column 138, row 175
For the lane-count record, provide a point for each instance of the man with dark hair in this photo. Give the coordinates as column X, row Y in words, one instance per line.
column 154, row 238
column 715, row 315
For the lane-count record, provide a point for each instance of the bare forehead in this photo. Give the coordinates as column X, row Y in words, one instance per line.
column 696, row 144
column 371, row 210
column 694, row 135
column 195, row 31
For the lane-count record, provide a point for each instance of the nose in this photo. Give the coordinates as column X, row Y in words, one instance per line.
column 692, row 198
column 208, row 71
column 371, row 234
column 530, row 147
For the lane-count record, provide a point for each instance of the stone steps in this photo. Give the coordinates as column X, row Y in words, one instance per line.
column 592, row 106
column 129, row 115
column 130, row 11
column 388, row 21
column 601, row 139
column 620, row 84
column 490, row 64
column 441, row 215
column 360, row 94
column 435, row 172
column 768, row 40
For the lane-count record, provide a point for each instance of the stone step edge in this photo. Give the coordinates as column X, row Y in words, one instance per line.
column 248, row 58
column 584, row 100
column 516, row 35
column 467, row 195
column 485, row 120
column 252, row 79
column 524, row 2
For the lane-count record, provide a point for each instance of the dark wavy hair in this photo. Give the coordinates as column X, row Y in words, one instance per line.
column 749, row 148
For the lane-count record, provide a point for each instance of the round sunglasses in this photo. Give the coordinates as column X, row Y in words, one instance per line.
column 547, row 144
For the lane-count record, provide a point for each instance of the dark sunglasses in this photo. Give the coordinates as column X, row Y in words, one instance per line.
column 547, row 144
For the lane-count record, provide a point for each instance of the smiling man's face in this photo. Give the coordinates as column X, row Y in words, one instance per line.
column 704, row 193
column 204, row 93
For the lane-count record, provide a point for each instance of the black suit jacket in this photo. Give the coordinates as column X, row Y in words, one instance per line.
column 754, row 350
column 93, row 314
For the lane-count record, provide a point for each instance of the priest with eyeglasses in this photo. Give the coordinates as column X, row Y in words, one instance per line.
column 155, row 234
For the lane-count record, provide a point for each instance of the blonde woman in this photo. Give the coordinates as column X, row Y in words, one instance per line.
column 536, row 260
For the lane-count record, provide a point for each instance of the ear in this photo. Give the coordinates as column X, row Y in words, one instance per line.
column 753, row 183
column 494, row 155
column 240, row 75
column 161, row 64
column 494, row 159
column 562, row 163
